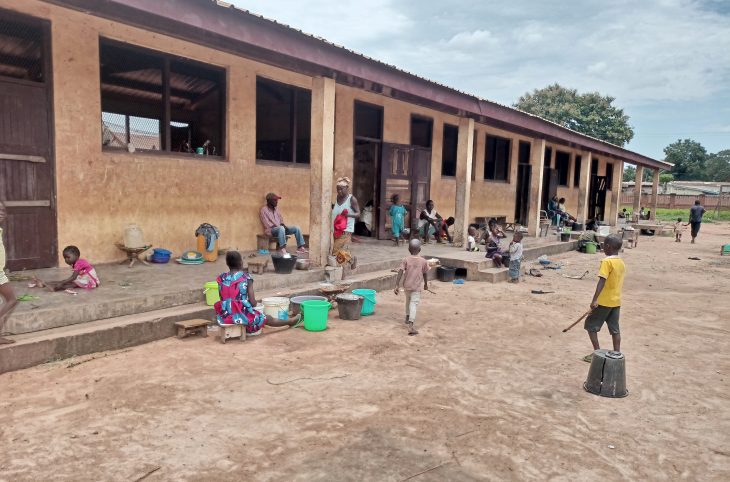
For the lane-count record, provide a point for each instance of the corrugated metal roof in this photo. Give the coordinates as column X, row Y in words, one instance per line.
column 228, row 5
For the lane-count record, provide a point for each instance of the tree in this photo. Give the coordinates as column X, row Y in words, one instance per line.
column 664, row 179
column 629, row 174
column 689, row 159
column 718, row 166
column 590, row 113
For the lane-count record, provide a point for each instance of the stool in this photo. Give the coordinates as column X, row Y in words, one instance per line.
column 266, row 242
column 190, row 327
column 631, row 237
column 133, row 254
column 257, row 265
column 232, row 331
column 272, row 242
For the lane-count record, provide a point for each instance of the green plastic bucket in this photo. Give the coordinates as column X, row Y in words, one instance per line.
column 211, row 293
column 590, row 248
column 315, row 314
column 368, row 305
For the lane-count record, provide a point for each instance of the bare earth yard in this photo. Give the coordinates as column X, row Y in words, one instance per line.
column 490, row 389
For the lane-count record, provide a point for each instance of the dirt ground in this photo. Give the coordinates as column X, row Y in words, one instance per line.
column 490, row 389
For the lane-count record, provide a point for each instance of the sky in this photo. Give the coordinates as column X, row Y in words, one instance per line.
column 666, row 62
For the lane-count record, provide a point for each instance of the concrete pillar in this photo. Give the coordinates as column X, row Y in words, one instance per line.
column 322, row 157
column 654, row 194
column 637, row 192
column 584, row 185
column 618, row 174
column 464, row 153
column 537, row 157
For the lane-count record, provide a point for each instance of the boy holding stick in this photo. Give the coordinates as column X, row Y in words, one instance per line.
column 606, row 304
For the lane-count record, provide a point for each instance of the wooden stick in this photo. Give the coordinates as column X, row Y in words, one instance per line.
column 579, row 320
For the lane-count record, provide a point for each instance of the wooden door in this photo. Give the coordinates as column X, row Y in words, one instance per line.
column 597, row 199
column 420, row 182
column 406, row 171
column 522, row 200
column 395, row 178
column 549, row 185
column 27, row 185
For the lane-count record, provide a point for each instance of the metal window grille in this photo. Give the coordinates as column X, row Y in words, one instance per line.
column 21, row 50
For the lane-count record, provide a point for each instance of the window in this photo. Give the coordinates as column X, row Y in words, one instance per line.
column 368, row 121
column 548, row 157
column 21, row 51
column 576, row 171
column 421, row 131
column 157, row 102
column 609, row 175
column 524, row 152
column 496, row 159
column 283, row 122
column 562, row 164
column 448, row 150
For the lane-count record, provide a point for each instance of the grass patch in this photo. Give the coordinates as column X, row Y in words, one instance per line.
column 663, row 214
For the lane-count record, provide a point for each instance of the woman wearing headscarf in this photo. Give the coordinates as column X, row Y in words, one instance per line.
column 344, row 212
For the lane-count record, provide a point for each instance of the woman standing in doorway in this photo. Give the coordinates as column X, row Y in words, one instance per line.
column 344, row 213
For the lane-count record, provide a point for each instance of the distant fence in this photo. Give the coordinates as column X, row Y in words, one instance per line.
column 678, row 201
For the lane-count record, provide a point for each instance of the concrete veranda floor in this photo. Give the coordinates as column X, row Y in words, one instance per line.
column 143, row 288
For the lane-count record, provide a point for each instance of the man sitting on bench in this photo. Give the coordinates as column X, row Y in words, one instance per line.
column 273, row 223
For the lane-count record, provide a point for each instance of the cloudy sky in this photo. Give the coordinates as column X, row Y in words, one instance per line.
column 667, row 62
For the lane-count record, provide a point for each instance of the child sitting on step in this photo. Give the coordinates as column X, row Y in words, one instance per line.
column 471, row 241
column 415, row 269
column 83, row 276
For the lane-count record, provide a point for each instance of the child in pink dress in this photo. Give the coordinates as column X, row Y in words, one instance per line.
column 84, row 275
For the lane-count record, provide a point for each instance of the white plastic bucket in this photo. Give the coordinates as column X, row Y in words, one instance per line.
column 276, row 306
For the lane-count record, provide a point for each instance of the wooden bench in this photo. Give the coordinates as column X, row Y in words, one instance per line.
column 272, row 242
column 190, row 327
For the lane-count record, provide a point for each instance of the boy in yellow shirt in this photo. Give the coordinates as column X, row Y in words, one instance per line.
column 606, row 304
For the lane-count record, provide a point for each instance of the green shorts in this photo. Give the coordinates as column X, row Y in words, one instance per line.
column 602, row 314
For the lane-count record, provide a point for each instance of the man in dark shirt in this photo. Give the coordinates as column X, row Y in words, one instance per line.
column 695, row 218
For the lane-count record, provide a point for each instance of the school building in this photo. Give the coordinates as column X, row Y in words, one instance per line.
column 169, row 114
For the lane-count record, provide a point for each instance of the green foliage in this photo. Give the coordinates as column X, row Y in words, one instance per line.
column 665, row 178
column 689, row 159
column 589, row 113
column 671, row 215
column 629, row 174
column 718, row 166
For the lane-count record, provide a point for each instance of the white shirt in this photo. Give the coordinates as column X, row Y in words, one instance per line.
column 431, row 216
column 366, row 216
column 515, row 251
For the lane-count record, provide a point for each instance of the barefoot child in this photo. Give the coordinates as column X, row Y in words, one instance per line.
column 606, row 304
column 238, row 300
column 416, row 270
column 515, row 257
column 471, row 241
column 397, row 214
column 678, row 230
column 83, row 276
column 6, row 291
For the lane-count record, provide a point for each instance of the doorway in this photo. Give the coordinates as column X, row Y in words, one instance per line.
column 524, row 175
column 406, row 171
column 368, row 130
column 27, row 182
column 597, row 194
column 549, row 179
